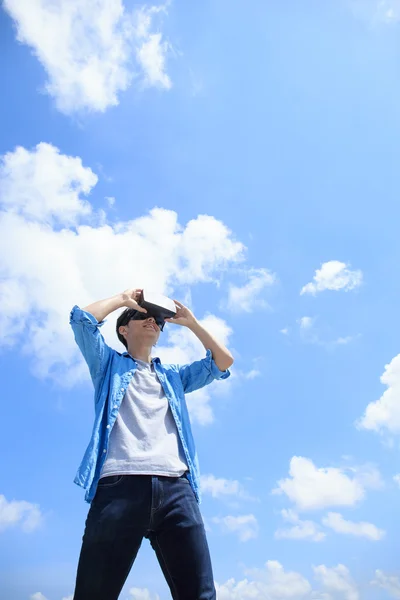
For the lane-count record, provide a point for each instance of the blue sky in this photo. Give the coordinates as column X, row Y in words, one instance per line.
column 240, row 156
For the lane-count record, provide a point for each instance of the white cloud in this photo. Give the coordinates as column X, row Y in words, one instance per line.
column 343, row 341
column 53, row 258
column 377, row 12
column 45, row 186
column 389, row 10
column 336, row 522
column 110, row 200
column 151, row 51
column 87, row 48
column 384, row 414
column 390, row 584
column 40, row 596
column 248, row 298
column 301, row 530
column 271, row 583
column 220, row 488
column 310, row 334
column 368, row 476
column 337, row 580
column 252, row 374
column 306, row 322
column 245, row 526
column 24, row 514
column 312, row 488
column 285, row 331
column 396, row 479
column 142, row 594
column 274, row 583
column 333, row 275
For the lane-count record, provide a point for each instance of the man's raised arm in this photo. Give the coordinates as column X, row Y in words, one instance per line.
column 221, row 355
column 102, row 308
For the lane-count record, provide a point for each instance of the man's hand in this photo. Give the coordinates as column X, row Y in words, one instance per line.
column 102, row 308
column 183, row 316
column 221, row 355
column 130, row 298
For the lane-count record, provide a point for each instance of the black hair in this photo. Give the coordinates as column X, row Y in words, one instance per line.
column 124, row 319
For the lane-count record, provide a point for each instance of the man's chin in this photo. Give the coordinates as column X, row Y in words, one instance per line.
column 151, row 333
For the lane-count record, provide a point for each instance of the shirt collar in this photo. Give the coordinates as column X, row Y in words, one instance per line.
column 154, row 359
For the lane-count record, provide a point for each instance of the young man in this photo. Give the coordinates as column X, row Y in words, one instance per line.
column 140, row 470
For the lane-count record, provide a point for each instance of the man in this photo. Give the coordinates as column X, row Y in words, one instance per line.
column 140, row 470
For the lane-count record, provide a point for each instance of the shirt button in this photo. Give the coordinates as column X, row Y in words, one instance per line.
column 104, row 451
column 122, row 389
column 108, row 427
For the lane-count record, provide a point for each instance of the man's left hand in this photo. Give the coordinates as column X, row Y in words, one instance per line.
column 183, row 316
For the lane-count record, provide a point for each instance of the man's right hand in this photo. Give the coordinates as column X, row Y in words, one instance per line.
column 130, row 298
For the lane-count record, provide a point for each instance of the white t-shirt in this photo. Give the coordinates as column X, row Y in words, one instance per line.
column 144, row 439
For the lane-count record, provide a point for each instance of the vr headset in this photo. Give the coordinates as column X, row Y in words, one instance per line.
column 158, row 306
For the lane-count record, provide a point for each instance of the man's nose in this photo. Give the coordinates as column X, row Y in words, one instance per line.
column 152, row 319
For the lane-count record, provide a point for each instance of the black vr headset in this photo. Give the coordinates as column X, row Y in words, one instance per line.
column 158, row 306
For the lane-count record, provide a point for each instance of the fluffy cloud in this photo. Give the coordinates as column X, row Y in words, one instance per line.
column 151, row 51
column 310, row 334
column 337, row 580
column 245, row 526
column 390, row 584
column 396, row 479
column 48, row 264
column 333, row 275
column 45, row 186
column 336, row 522
column 248, row 298
column 311, row 488
column 389, row 11
column 301, row 530
column 271, row 583
column 40, row 596
column 306, row 322
column 222, row 488
column 87, row 48
column 383, row 415
column 24, row 514
column 142, row 594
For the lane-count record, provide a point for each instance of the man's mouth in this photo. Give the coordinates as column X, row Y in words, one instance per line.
column 150, row 326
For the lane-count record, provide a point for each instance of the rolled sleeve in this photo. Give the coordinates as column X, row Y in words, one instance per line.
column 215, row 372
column 90, row 341
column 200, row 373
column 79, row 316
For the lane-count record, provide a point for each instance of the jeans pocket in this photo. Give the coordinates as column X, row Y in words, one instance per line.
column 184, row 477
column 109, row 481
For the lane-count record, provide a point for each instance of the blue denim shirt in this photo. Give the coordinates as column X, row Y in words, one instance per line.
column 111, row 373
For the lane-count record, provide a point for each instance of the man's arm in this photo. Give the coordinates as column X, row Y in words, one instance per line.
column 221, row 355
column 102, row 308
column 86, row 325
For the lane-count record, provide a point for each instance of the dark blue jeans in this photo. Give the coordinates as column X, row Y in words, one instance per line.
column 128, row 508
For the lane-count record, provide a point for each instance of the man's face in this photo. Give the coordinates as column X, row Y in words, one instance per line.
column 145, row 329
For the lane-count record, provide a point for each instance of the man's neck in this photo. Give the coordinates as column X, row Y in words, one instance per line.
column 141, row 353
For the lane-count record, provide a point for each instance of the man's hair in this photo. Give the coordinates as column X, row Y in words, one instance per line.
column 124, row 319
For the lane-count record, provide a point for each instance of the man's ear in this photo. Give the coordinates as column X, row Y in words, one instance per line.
column 122, row 330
